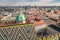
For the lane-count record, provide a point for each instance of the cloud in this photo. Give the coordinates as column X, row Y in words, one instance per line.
column 38, row 2
column 42, row 3
column 29, row 2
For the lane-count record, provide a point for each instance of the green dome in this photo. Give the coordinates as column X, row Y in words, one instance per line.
column 20, row 16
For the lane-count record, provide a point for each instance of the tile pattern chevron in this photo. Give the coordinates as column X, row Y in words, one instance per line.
column 26, row 32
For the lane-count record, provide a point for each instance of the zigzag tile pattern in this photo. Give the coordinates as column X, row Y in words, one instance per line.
column 18, row 33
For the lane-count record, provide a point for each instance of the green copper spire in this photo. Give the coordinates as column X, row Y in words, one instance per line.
column 20, row 16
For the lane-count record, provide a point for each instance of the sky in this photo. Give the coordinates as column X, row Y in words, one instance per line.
column 30, row 2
